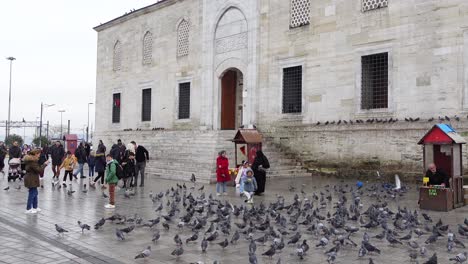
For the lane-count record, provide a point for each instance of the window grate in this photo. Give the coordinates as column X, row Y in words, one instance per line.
column 117, row 59
column 116, row 103
column 183, row 38
column 300, row 13
column 292, row 89
column 368, row 5
column 374, row 81
column 146, row 105
column 147, row 48
column 184, row 100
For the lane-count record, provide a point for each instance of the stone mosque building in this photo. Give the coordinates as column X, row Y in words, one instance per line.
column 333, row 85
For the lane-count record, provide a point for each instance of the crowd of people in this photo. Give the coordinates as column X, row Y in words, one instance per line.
column 123, row 163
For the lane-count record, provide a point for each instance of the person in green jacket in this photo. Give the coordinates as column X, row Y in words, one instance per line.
column 111, row 180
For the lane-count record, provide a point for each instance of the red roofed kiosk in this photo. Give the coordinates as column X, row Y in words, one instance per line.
column 71, row 142
column 247, row 142
column 442, row 145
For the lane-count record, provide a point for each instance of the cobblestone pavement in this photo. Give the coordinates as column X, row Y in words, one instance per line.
column 33, row 239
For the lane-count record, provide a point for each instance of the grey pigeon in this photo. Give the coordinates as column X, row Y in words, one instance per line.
column 83, row 226
column 224, row 244
column 252, row 258
column 178, row 251
column 460, row 258
column 194, row 237
column 59, row 229
column 432, row 260
column 145, row 253
column 204, row 245
column 7, row 188
column 100, row 223
column 270, row 252
column 156, row 236
column 235, row 237
column 104, row 195
column 252, row 246
column 128, row 229
column 119, row 234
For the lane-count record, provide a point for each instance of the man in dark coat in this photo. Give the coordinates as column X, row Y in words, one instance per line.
column 80, row 154
column 141, row 157
column 14, row 151
column 3, row 152
column 259, row 167
column 437, row 176
column 56, row 153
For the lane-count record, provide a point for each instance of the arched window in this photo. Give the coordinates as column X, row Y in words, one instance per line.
column 147, row 48
column 183, row 38
column 117, row 60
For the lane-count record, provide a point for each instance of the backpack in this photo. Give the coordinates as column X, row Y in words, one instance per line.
column 119, row 172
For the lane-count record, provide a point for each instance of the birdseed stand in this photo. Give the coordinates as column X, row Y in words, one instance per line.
column 442, row 145
column 247, row 142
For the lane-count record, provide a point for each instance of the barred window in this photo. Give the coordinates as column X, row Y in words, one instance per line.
column 146, row 105
column 292, row 90
column 300, row 13
column 147, row 48
column 117, row 59
column 368, row 5
column 374, row 81
column 183, row 38
column 116, row 108
column 184, row 100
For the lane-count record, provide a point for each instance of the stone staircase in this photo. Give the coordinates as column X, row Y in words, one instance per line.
column 177, row 154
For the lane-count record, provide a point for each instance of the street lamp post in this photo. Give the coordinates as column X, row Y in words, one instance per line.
column 61, row 126
column 87, row 127
column 40, row 122
column 7, row 132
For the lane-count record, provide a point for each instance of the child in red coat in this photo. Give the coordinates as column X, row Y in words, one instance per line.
column 222, row 173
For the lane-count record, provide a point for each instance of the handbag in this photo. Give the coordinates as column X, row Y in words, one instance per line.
column 120, row 183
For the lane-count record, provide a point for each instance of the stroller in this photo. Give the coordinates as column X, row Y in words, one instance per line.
column 15, row 171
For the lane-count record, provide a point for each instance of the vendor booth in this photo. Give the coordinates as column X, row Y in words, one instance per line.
column 247, row 142
column 442, row 146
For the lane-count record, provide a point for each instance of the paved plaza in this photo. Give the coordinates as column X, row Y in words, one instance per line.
column 33, row 238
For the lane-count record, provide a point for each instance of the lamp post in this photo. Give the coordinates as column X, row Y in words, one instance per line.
column 61, row 126
column 7, row 131
column 40, row 122
column 87, row 127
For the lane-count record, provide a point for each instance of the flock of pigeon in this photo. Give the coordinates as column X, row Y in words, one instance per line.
column 329, row 221
column 387, row 120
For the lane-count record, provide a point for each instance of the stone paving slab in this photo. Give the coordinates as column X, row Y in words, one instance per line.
column 101, row 246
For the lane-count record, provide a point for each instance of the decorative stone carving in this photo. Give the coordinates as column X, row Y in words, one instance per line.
column 231, row 43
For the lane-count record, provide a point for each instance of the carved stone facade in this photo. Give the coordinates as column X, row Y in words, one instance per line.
column 199, row 41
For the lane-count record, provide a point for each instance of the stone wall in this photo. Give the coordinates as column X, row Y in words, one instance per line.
column 360, row 150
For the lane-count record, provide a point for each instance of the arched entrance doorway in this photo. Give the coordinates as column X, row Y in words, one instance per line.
column 231, row 99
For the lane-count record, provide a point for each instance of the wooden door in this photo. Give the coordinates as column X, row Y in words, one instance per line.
column 228, row 100
column 443, row 161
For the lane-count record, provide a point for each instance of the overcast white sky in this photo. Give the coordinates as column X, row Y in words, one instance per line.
column 55, row 47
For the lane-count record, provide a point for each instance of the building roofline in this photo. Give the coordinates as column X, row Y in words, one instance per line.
column 135, row 13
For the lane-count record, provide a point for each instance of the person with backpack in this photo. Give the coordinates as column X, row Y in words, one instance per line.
column 80, row 154
column 111, row 179
column 129, row 170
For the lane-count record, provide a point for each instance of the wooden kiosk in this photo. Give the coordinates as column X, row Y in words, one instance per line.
column 247, row 142
column 442, row 145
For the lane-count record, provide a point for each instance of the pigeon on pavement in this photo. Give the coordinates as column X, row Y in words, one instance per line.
column 145, row 253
